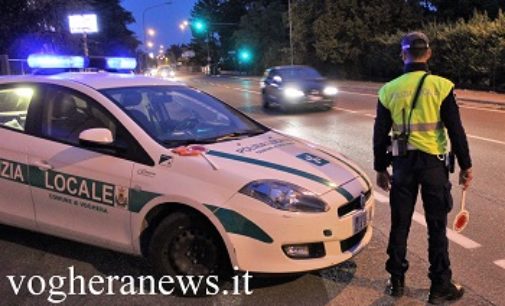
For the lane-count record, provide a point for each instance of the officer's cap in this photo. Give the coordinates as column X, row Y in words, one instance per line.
column 415, row 40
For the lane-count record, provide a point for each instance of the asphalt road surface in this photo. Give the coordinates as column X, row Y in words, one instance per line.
column 478, row 254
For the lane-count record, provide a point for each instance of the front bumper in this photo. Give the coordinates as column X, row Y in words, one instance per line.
column 308, row 101
column 298, row 228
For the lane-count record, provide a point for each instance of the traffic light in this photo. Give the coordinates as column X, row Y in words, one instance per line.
column 245, row 56
column 199, row 26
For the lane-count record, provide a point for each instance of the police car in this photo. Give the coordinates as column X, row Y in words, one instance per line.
column 154, row 168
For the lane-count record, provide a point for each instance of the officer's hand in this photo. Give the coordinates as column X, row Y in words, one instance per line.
column 384, row 180
column 465, row 178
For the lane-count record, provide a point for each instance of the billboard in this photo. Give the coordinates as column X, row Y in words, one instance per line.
column 83, row 23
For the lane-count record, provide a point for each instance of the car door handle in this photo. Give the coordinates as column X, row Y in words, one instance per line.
column 43, row 165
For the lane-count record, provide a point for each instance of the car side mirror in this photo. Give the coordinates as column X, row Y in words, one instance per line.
column 98, row 137
column 277, row 79
column 101, row 138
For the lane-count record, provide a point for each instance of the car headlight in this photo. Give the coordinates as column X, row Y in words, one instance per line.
column 172, row 74
column 330, row 91
column 292, row 93
column 285, row 196
column 164, row 74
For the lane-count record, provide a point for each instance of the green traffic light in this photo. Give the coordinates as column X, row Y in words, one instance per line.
column 245, row 55
column 199, row 26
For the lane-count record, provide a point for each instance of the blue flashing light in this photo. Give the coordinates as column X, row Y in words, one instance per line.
column 44, row 61
column 121, row 63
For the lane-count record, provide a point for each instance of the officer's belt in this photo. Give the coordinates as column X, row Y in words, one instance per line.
column 421, row 127
column 409, row 147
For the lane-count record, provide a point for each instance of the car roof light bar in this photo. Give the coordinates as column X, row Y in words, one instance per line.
column 45, row 61
column 121, row 63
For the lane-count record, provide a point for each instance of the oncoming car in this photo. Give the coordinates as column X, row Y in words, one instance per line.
column 166, row 72
column 296, row 86
column 153, row 168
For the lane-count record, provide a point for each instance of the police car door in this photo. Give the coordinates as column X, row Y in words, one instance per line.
column 16, row 206
column 81, row 191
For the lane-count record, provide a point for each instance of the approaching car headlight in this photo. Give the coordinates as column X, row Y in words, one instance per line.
column 172, row 74
column 293, row 93
column 285, row 196
column 330, row 91
column 164, row 74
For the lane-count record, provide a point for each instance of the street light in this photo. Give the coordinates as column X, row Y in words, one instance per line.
column 183, row 25
column 199, row 26
column 290, row 31
column 150, row 44
column 144, row 18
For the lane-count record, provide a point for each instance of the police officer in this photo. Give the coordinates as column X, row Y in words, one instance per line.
column 419, row 107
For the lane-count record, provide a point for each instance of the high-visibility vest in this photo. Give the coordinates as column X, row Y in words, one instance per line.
column 427, row 132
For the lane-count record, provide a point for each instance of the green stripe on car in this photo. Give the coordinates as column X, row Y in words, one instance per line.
column 283, row 168
column 233, row 222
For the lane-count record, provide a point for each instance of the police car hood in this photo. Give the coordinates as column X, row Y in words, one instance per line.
column 275, row 156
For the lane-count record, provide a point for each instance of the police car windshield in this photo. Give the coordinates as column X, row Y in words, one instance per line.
column 297, row 73
column 177, row 115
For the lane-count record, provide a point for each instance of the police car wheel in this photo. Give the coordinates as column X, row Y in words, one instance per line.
column 185, row 244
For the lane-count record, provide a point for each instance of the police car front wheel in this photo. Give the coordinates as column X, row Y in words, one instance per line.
column 186, row 244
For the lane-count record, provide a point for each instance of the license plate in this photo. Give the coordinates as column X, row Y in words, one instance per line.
column 359, row 221
column 314, row 98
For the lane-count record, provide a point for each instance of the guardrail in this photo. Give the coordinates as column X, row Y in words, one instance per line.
column 12, row 66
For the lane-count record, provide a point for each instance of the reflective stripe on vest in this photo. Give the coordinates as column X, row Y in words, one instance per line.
column 420, row 127
column 427, row 130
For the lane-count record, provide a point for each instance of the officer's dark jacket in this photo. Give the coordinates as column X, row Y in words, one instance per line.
column 449, row 113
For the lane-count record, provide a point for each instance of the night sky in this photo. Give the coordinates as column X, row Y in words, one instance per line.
column 164, row 19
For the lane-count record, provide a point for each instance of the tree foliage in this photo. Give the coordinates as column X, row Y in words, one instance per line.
column 360, row 38
column 263, row 30
column 452, row 10
column 472, row 53
column 43, row 27
column 343, row 31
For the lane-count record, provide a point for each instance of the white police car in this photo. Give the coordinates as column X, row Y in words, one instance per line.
column 158, row 169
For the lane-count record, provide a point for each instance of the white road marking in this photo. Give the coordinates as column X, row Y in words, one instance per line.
column 245, row 90
column 469, row 135
column 380, row 197
column 500, row 263
column 483, row 109
column 486, row 139
column 461, row 106
column 353, row 111
column 463, row 241
column 358, row 93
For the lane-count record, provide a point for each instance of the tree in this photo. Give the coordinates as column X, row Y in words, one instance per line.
column 304, row 14
column 42, row 26
column 346, row 26
column 203, row 41
column 263, row 30
column 452, row 10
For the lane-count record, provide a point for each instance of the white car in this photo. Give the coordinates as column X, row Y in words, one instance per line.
column 154, row 168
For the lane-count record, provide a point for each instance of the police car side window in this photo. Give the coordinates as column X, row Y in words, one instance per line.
column 14, row 103
column 66, row 115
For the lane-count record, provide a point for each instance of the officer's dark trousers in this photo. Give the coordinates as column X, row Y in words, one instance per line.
column 419, row 169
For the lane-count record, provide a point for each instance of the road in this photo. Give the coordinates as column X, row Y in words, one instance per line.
column 478, row 255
